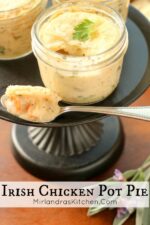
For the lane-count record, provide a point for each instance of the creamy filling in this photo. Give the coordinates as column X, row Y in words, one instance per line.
column 57, row 33
column 82, row 87
column 36, row 104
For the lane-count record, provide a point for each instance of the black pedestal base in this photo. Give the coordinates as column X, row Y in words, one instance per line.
column 62, row 167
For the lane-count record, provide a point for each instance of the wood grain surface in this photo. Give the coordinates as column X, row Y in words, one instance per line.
column 136, row 149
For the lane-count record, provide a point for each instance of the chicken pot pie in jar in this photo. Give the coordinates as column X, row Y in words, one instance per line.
column 16, row 20
column 121, row 6
column 80, row 49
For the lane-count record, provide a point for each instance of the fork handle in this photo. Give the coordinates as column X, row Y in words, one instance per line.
column 142, row 113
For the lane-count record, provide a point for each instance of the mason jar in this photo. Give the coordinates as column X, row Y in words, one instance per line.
column 16, row 20
column 121, row 6
column 81, row 79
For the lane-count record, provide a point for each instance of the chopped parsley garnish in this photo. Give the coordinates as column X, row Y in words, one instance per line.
column 83, row 30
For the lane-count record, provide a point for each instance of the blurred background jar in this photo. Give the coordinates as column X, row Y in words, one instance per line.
column 16, row 20
column 121, row 6
column 80, row 79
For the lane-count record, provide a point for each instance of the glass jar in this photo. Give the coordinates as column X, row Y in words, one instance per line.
column 121, row 6
column 81, row 79
column 16, row 20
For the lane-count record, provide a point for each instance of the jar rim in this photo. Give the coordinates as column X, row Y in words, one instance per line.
column 70, row 58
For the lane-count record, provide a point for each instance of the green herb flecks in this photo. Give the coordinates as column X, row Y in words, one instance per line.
column 2, row 50
column 83, row 30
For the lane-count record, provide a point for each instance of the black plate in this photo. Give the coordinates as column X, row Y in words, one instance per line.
column 135, row 77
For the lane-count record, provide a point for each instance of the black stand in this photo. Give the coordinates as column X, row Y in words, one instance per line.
column 68, row 153
column 77, row 146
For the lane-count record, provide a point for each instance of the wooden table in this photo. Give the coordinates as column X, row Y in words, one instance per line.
column 136, row 149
